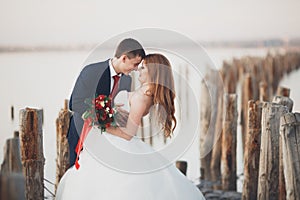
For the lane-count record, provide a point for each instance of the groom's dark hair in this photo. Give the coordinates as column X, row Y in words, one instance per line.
column 131, row 48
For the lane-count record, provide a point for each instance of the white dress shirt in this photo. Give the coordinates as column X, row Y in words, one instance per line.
column 112, row 73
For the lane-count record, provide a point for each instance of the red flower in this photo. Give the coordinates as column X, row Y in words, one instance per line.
column 100, row 112
column 104, row 116
column 101, row 97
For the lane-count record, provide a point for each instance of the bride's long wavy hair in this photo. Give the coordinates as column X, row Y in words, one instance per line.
column 162, row 90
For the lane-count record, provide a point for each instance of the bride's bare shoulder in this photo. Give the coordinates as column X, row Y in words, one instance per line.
column 139, row 97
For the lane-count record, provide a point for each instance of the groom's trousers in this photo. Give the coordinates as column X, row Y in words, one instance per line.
column 73, row 136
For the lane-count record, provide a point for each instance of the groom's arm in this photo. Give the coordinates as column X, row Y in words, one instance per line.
column 80, row 92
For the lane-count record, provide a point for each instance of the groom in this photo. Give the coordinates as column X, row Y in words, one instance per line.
column 106, row 78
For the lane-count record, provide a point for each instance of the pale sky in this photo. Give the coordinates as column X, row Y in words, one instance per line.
column 36, row 22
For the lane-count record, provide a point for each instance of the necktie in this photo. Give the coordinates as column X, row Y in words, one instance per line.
column 115, row 86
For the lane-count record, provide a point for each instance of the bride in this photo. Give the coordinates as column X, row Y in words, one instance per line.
column 117, row 164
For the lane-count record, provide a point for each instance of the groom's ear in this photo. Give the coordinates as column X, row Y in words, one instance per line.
column 123, row 58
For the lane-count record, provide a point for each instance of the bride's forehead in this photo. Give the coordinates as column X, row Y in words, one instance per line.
column 142, row 64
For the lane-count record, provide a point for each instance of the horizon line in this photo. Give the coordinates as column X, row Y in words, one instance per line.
column 247, row 43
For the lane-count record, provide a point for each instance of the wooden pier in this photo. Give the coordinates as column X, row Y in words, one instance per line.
column 263, row 103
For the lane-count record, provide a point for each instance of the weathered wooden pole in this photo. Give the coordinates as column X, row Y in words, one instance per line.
column 187, row 94
column 268, row 180
column 277, row 71
column 285, row 101
column 228, row 159
column 12, row 182
column 290, row 134
column 217, row 149
column 12, row 158
column 142, row 130
column 240, row 69
column 62, row 145
column 280, row 64
column 268, row 71
column 252, row 151
column 31, row 142
column 263, row 91
column 230, row 77
column 283, row 91
column 12, row 113
column 205, row 114
column 248, row 93
column 12, row 186
column 151, row 128
column 182, row 166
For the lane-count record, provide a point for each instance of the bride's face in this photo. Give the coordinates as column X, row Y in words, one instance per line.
column 144, row 74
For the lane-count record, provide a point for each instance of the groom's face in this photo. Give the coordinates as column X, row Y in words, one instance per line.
column 128, row 65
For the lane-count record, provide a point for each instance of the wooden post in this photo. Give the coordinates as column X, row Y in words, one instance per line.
column 62, row 145
column 12, row 182
column 12, row 186
column 252, row 151
column 186, row 95
column 263, row 91
column 12, row 113
column 230, row 77
column 12, row 158
column 268, row 69
column 268, row 181
column 205, row 114
column 31, row 142
column 217, row 149
column 228, row 159
column 150, row 128
column 280, row 65
column 182, row 166
column 277, row 72
column 290, row 134
column 142, row 130
column 283, row 91
column 285, row 101
column 248, row 93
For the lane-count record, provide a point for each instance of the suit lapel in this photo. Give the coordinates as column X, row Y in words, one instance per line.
column 103, row 86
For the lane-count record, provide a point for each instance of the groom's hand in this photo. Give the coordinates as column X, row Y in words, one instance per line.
column 122, row 116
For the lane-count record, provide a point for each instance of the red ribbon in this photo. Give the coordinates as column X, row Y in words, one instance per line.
column 85, row 130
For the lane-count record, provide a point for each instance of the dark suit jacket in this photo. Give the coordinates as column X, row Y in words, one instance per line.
column 93, row 80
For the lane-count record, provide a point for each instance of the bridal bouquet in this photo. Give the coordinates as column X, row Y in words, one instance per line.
column 100, row 112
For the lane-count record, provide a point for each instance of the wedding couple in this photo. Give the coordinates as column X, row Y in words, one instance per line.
column 116, row 164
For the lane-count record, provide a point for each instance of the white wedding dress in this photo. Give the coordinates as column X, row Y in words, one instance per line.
column 112, row 168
